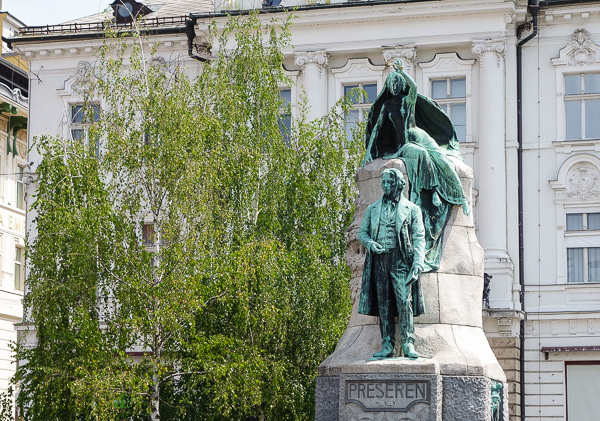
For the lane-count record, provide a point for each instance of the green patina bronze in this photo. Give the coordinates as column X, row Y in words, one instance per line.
column 392, row 231
column 496, row 400
column 407, row 125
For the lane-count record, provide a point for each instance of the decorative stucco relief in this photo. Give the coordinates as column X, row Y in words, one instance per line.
column 79, row 81
column 580, row 51
column 578, row 180
column 497, row 46
column 406, row 53
column 583, row 182
column 305, row 58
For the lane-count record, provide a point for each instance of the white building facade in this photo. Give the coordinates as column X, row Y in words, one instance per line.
column 537, row 176
column 13, row 165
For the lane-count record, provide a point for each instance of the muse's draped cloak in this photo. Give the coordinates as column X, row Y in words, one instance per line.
column 423, row 141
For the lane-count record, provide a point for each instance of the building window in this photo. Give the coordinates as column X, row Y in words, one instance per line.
column 148, row 235
column 19, row 268
column 582, row 106
column 582, row 383
column 20, row 189
column 285, row 113
column 451, row 95
column 82, row 117
column 583, row 257
column 361, row 104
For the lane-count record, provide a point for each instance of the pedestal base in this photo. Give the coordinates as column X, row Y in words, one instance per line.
column 398, row 389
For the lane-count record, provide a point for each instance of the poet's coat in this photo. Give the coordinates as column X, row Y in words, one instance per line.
column 411, row 237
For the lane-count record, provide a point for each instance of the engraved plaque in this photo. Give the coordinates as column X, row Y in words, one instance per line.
column 387, row 395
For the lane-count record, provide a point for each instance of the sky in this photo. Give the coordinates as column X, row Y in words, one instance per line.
column 52, row 12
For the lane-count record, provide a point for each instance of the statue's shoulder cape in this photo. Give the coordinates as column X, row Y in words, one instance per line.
column 428, row 116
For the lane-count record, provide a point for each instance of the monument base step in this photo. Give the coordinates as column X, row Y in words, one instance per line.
column 399, row 389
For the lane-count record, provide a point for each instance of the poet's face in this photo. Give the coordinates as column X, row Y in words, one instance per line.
column 389, row 185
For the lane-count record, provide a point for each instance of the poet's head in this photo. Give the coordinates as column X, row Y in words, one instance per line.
column 392, row 182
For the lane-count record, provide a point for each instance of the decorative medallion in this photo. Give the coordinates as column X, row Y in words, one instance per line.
column 581, row 49
column 583, row 182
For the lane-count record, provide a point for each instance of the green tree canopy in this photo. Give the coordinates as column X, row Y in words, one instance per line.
column 188, row 259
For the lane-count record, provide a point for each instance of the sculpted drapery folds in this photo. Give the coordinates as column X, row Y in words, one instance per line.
column 407, row 125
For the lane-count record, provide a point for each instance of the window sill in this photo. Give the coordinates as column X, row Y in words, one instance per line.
column 576, row 142
column 581, row 284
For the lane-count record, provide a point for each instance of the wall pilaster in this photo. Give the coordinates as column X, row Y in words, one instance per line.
column 314, row 68
column 492, row 207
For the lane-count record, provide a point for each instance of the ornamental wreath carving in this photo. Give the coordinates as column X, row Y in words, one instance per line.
column 583, row 182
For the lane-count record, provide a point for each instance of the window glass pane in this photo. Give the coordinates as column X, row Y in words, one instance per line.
column 439, row 89
column 591, row 82
column 574, row 221
column 148, row 234
column 573, row 114
column 351, row 122
column 592, row 119
column 77, row 134
column 77, row 114
column 583, row 383
column 286, row 95
column 461, row 133
column 96, row 109
column 458, row 114
column 18, row 274
column 572, row 85
column 575, row 265
column 371, row 91
column 347, row 89
column 444, row 107
column 285, row 125
column 594, row 264
column 593, row 221
column 20, row 196
column 458, row 88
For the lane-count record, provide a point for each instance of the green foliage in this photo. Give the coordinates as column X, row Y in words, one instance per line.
column 240, row 288
column 6, row 405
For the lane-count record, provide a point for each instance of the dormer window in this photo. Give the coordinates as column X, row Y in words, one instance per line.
column 126, row 11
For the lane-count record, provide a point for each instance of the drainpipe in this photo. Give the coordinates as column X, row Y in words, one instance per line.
column 534, row 8
column 191, row 34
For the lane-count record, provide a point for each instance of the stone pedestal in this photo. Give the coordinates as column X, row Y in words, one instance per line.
column 453, row 378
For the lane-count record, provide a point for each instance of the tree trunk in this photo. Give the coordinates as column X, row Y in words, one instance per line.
column 155, row 399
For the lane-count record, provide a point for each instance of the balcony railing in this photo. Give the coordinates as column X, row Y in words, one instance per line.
column 101, row 26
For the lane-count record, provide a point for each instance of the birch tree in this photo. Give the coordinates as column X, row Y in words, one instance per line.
column 189, row 259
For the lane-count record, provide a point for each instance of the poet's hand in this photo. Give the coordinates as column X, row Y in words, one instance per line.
column 377, row 248
column 414, row 274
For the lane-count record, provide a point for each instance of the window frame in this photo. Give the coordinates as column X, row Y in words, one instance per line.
column 451, row 66
column 583, row 237
column 566, row 65
column 568, row 202
column 20, row 188
column 19, row 268
column 84, row 124
column 567, row 364
column 580, row 97
column 361, row 106
column 449, row 101
column 285, row 112
column 357, row 71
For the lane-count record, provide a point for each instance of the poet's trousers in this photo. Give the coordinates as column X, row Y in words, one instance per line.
column 391, row 272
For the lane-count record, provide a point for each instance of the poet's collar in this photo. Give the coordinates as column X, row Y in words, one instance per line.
column 394, row 200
